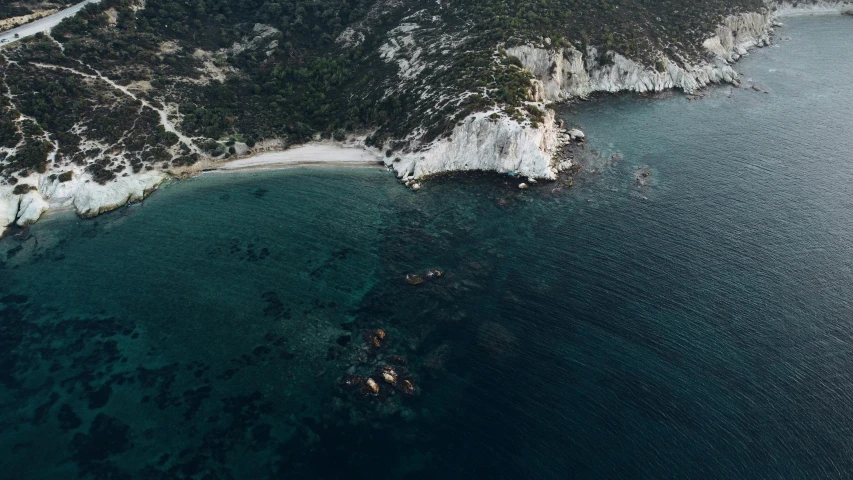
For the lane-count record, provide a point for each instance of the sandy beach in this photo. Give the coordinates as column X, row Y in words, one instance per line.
column 311, row 154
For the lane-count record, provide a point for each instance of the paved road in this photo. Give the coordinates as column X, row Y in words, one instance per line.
column 42, row 24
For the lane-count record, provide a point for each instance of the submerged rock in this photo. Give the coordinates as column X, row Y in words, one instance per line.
column 434, row 273
column 642, row 176
column 397, row 359
column 351, row 381
column 375, row 339
column 407, row 388
column 417, row 279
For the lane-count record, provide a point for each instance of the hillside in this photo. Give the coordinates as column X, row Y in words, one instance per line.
column 151, row 87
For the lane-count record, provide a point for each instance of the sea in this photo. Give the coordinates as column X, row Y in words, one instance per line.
column 683, row 309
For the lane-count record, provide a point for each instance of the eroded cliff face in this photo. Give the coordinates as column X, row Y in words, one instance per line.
column 565, row 73
column 488, row 141
column 86, row 196
column 8, row 208
column 483, row 142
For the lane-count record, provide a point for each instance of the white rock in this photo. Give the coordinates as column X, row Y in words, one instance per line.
column 503, row 145
column 565, row 73
column 31, row 208
column 480, row 143
column 576, row 134
column 8, row 208
column 522, row 185
column 91, row 198
column 416, row 186
column 241, row 148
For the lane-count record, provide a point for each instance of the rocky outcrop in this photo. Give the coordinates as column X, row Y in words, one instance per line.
column 9, row 203
column 31, row 208
column 492, row 141
column 88, row 198
column 565, row 73
column 487, row 141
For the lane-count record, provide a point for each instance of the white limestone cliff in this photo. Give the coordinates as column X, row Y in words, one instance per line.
column 90, row 198
column 8, row 208
column 32, row 206
column 484, row 142
column 504, row 145
column 562, row 74
column 86, row 196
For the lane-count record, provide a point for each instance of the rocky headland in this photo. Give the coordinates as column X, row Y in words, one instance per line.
column 525, row 139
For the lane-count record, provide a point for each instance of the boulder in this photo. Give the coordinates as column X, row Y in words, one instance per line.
column 8, row 208
column 576, row 135
column 31, row 208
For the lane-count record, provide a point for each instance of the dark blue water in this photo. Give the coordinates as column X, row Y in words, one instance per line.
column 696, row 323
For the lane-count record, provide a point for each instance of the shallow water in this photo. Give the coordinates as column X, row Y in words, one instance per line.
column 695, row 326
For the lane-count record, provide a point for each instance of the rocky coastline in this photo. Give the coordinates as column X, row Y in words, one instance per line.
column 486, row 140
column 490, row 141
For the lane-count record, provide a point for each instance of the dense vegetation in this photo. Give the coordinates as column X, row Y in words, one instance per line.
column 73, row 120
column 256, row 69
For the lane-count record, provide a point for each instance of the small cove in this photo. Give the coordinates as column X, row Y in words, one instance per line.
column 696, row 326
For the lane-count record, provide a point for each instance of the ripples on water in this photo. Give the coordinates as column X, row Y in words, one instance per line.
column 696, row 327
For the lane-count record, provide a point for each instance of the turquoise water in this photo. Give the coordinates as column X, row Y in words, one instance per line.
column 695, row 325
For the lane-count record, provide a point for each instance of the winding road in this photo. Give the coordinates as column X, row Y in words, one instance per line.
column 42, row 24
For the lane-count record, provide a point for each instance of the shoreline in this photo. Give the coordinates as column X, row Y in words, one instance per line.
column 289, row 166
column 312, row 153
column 90, row 199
